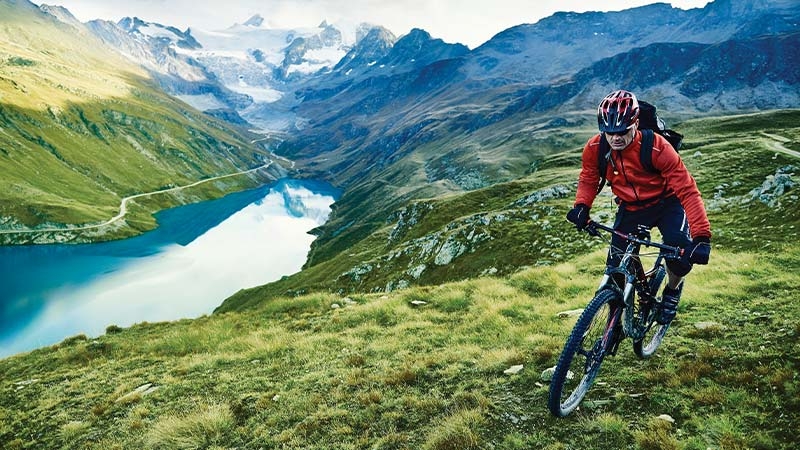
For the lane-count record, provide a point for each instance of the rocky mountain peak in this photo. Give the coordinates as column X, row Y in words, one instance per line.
column 62, row 14
column 372, row 47
column 418, row 48
column 415, row 35
column 131, row 24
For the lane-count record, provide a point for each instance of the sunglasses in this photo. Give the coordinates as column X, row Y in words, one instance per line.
column 617, row 133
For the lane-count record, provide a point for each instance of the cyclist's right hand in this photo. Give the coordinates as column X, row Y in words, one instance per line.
column 579, row 215
column 591, row 228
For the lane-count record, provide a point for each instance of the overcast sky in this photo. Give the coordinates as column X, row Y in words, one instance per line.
column 469, row 22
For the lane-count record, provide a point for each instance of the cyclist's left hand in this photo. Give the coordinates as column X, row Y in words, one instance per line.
column 699, row 251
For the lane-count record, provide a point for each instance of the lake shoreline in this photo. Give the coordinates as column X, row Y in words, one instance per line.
column 200, row 254
column 118, row 228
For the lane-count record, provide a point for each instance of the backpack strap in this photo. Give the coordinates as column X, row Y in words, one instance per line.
column 645, row 156
column 646, row 152
column 603, row 153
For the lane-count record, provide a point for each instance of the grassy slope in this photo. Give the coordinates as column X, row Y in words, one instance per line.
column 382, row 373
column 379, row 372
column 80, row 128
column 450, row 160
column 729, row 157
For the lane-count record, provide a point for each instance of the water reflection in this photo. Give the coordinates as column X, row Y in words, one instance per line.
column 199, row 255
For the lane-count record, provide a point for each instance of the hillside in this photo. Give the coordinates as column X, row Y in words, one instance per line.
column 81, row 128
column 464, row 235
column 403, row 137
column 446, row 261
column 423, row 366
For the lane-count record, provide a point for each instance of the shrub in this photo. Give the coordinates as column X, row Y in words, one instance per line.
column 19, row 61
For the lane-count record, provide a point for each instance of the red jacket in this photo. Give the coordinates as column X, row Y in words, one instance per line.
column 637, row 188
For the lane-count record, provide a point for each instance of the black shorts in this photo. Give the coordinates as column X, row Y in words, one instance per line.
column 668, row 216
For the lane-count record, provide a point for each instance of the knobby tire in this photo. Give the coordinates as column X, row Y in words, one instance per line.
column 582, row 356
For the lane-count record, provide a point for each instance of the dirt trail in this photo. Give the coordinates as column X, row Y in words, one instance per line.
column 776, row 143
column 123, row 206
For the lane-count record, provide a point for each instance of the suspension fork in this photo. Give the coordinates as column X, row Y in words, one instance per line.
column 634, row 274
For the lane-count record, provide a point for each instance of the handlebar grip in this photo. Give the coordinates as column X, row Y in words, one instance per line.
column 591, row 228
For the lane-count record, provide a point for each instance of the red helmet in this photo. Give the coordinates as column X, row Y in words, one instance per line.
column 617, row 112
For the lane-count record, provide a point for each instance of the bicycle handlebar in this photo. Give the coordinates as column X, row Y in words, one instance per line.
column 676, row 252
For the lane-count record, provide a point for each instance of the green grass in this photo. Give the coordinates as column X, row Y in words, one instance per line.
column 727, row 161
column 422, row 367
column 381, row 372
column 81, row 128
column 416, row 367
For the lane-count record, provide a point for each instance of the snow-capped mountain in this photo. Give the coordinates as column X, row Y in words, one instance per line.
column 262, row 62
column 279, row 79
column 231, row 71
column 162, row 50
column 372, row 47
column 266, row 63
column 151, row 45
column 159, row 49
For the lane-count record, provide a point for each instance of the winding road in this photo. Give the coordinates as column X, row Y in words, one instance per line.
column 123, row 205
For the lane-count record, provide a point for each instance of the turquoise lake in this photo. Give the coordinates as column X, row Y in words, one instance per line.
column 199, row 255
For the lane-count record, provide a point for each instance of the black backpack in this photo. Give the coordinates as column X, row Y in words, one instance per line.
column 649, row 123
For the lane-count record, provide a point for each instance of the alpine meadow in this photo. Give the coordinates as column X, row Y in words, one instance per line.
column 441, row 290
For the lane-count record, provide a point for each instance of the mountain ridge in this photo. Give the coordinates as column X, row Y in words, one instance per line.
column 82, row 127
column 504, row 227
column 375, row 344
column 463, row 364
column 369, row 117
column 387, row 121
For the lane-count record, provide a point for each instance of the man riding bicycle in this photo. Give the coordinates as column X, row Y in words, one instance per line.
column 667, row 198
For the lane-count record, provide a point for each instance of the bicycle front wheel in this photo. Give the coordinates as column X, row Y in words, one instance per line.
column 580, row 361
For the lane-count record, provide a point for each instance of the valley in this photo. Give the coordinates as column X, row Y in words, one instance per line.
column 307, row 363
column 71, row 153
column 446, row 260
column 123, row 206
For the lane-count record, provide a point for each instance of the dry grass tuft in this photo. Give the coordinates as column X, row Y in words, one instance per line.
column 209, row 425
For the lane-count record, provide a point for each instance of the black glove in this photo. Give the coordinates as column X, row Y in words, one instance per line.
column 579, row 215
column 699, row 251
column 591, row 228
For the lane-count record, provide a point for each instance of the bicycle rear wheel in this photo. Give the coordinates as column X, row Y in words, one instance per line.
column 653, row 332
column 651, row 340
column 583, row 354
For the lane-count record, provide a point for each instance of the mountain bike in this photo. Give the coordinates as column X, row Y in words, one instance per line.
column 625, row 305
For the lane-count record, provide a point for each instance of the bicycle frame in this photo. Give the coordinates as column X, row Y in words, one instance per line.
column 609, row 317
column 611, row 336
column 633, row 275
